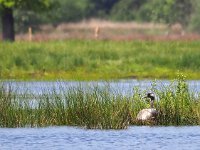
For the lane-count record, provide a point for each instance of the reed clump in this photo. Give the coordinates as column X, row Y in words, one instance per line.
column 178, row 106
column 97, row 108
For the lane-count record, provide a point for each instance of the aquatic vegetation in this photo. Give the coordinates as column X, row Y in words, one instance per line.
column 97, row 107
column 178, row 107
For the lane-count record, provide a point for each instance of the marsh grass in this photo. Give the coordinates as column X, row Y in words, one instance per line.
column 97, row 108
column 96, row 59
column 178, row 107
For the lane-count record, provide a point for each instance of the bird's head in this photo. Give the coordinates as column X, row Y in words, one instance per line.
column 151, row 96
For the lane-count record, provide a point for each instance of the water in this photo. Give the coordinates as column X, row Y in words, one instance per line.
column 57, row 138
column 118, row 86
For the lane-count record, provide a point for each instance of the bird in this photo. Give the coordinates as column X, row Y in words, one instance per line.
column 148, row 114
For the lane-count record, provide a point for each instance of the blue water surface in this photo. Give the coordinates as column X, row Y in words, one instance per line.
column 72, row 138
column 125, row 87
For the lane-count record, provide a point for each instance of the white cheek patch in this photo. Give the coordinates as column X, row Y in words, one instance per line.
column 152, row 95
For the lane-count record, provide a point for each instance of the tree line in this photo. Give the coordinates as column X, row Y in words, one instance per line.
column 33, row 13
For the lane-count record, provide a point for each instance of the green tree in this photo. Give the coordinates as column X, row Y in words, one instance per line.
column 126, row 10
column 6, row 12
column 195, row 17
column 167, row 11
column 68, row 10
column 101, row 8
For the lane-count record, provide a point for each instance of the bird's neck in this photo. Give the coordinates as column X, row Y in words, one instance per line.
column 152, row 104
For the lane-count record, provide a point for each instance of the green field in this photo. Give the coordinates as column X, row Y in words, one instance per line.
column 95, row 59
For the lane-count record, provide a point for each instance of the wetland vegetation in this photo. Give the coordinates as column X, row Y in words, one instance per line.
column 99, row 59
column 97, row 107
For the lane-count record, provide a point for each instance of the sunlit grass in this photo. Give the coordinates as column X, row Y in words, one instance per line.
column 92, row 60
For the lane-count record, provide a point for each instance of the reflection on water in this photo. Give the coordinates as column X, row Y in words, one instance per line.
column 56, row 138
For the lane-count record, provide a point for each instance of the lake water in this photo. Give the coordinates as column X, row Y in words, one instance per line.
column 71, row 138
column 118, row 86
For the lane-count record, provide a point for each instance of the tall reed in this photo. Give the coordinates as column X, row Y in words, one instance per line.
column 177, row 106
column 96, row 107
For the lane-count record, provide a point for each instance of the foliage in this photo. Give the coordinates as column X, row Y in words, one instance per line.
column 101, row 8
column 59, row 11
column 67, row 11
column 28, row 4
column 25, row 11
column 165, row 11
column 195, row 17
column 126, row 10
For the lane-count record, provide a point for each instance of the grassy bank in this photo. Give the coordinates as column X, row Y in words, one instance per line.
column 97, row 108
column 90, row 60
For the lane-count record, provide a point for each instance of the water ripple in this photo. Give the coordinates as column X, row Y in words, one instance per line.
column 56, row 138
